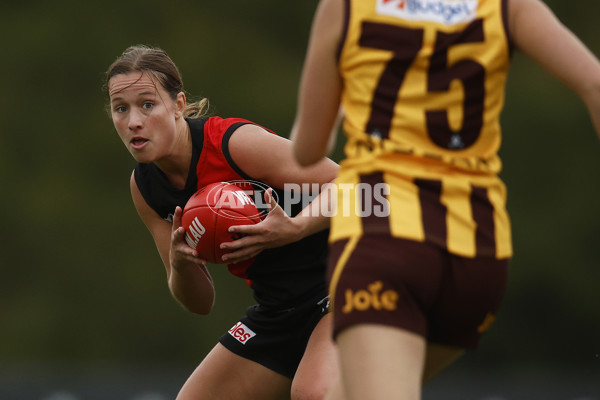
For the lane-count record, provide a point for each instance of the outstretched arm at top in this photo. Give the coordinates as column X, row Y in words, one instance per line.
column 189, row 281
column 320, row 86
column 538, row 33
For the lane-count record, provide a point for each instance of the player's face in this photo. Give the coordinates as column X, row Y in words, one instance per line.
column 144, row 115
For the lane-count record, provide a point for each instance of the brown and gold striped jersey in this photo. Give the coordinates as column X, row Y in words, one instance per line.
column 423, row 91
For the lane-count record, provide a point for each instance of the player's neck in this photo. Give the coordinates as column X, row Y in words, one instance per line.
column 177, row 165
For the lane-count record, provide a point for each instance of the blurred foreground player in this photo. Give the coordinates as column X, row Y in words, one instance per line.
column 421, row 84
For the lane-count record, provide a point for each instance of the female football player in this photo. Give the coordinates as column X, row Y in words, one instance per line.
column 282, row 347
column 422, row 85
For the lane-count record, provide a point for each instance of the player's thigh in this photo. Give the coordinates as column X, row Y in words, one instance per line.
column 319, row 367
column 224, row 375
column 381, row 362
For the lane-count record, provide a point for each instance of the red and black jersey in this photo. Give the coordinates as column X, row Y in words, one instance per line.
column 279, row 277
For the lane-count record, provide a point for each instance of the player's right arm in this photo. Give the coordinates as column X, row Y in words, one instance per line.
column 321, row 85
column 187, row 276
column 538, row 33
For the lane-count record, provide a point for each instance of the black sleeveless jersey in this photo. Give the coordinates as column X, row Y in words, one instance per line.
column 279, row 277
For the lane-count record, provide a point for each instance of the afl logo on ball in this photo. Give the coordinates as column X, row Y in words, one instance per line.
column 241, row 333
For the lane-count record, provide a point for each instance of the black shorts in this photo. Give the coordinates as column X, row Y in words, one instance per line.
column 276, row 338
column 447, row 299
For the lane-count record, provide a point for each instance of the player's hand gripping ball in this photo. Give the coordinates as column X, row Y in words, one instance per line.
column 210, row 212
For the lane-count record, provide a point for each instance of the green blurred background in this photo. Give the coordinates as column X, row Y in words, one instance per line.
column 82, row 287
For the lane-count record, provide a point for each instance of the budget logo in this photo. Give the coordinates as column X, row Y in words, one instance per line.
column 447, row 12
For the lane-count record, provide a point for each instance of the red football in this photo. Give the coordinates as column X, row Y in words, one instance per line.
column 210, row 212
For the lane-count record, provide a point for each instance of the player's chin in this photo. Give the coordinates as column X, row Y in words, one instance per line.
column 143, row 156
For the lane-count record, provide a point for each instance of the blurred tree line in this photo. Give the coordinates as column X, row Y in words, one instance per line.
column 81, row 279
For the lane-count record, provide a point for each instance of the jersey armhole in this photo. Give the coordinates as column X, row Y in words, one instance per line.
column 140, row 175
column 143, row 181
column 227, row 154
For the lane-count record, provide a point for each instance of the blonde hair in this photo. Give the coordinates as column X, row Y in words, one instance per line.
column 196, row 109
column 142, row 58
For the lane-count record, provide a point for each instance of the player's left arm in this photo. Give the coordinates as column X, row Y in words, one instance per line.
column 539, row 34
column 268, row 158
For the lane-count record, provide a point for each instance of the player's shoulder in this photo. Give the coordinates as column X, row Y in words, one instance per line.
column 220, row 124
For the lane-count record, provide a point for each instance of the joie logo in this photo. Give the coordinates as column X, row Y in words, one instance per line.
column 241, row 333
column 362, row 300
column 448, row 12
column 196, row 230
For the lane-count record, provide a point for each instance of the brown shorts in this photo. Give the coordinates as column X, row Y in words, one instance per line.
column 447, row 299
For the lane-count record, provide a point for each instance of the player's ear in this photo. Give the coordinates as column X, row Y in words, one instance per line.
column 180, row 103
